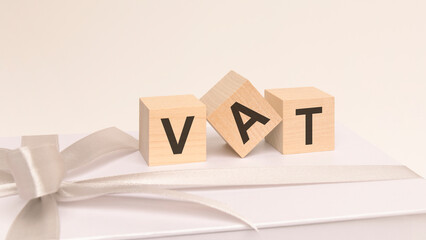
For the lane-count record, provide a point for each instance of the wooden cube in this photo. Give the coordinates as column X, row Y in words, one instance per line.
column 308, row 120
column 239, row 113
column 172, row 129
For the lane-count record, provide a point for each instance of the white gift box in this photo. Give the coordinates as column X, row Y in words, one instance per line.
column 364, row 210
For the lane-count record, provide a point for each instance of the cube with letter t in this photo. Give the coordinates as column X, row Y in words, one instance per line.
column 239, row 113
column 308, row 120
column 172, row 129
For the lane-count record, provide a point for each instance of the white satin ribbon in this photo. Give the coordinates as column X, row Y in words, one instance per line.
column 38, row 169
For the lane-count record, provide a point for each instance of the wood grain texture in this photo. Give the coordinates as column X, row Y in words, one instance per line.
column 290, row 135
column 222, row 91
column 235, row 88
column 154, row 144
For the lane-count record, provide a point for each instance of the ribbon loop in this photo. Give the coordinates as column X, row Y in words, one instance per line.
column 38, row 171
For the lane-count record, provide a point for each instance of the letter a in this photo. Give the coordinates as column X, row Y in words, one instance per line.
column 243, row 127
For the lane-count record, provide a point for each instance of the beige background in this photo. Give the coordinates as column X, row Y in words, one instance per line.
column 79, row 66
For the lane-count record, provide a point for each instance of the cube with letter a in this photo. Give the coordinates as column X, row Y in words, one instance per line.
column 239, row 113
column 172, row 129
column 308, row 120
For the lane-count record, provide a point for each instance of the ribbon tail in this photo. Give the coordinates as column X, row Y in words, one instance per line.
column 263, row 176
column 38, row 220
column 79, row 191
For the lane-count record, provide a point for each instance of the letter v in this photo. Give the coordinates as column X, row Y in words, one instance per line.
column 177, row 147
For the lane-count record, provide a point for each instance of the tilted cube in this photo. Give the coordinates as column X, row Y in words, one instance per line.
column 239, row 113
column 172, row 129
column 308, row 120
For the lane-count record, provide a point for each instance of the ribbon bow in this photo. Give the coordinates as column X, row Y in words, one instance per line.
column 36, row 171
